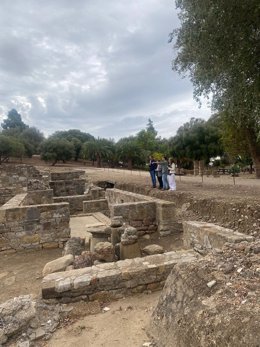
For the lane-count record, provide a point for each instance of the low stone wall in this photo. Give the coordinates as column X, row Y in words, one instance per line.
column 68, row 183
column 38, row 197
column 141, row 215
column 33, row 227
column 17, row 176
column 6, row 194
column 67, row 176
column 203, row 236
column 112, row 280
column 68, row 187
column 165, row 216
column 93, row 206
column 76, row 201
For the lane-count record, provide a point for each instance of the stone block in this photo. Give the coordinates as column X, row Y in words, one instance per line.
column 129, row 251
column 50, row 245
column 27, row 239
column 209, row 235
column 57, row 265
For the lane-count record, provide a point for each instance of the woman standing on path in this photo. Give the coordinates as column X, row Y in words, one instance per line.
column 171, row 175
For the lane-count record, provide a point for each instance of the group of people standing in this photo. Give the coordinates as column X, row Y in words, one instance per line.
column 164, row 170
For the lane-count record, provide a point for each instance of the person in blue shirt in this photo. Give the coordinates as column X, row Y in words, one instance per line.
column 152, row 168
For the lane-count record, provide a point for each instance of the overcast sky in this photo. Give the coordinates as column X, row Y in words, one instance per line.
column 101, row 66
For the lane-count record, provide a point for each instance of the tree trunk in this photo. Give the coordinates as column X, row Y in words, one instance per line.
column 256, row 161
column 254, row 149
column 98, row 161
column 201, row 167
column 130, row 164
column 195, row 167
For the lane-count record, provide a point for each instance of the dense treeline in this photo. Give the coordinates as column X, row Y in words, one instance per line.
column 195, row 140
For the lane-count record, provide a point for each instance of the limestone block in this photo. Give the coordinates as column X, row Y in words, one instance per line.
column 105, row 251
column 152, row 249
column 27, row 239
column 209, row 235
column 50, row 245
column 57, row 265
column 15, row 315
column 92, row 206
column 115, row 236
column 129, row 251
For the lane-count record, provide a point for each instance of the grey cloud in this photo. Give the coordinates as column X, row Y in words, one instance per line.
column 93, row 65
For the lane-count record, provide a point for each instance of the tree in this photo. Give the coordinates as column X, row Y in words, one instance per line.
column 197, row 140
column 55, row 149
column 13, row 121
column 76, row 137
column 150, row 128
column 98, row 149
column 32, row 139
column 128, row 150
column 10, row 146
column 218, row 45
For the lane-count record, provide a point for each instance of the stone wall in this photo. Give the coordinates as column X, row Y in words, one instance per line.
column 67, row 176
column 38, row 197
column 68, row 187
column 6, row 194
column 203, row 237
column 113, row 280
column 33, row 227
column 17, row 176
column 141, row 215
column 211, row 302
column 93, row 206
column 76, row 201
column 165, row 215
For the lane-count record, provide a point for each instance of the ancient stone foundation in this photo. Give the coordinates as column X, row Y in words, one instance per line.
column 113, row 280
column 33, row 227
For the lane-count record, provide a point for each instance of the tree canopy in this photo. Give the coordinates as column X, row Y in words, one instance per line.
column 13, row 121
column 218, row 46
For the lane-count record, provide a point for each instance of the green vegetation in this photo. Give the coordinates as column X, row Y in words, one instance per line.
column 197, row 139
column 218, row 47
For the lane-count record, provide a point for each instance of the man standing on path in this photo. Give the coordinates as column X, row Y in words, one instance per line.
column 152, row 168
column 164, row 166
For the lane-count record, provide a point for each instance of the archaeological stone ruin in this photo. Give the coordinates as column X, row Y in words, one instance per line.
column 117, row 242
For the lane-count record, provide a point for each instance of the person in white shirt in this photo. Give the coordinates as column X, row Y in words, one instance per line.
column 171, row 175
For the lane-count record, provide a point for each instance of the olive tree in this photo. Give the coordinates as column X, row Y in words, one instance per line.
column 217, row 45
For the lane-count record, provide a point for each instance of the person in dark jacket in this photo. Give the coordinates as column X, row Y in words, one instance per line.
column 152, row 168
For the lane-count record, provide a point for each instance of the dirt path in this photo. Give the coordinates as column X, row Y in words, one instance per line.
column 122, row 326
column 21, row 272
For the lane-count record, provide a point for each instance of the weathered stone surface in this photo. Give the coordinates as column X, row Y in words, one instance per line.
column 86, row 259
column 129, row 251
column 74, row 246
column 204, row 236
column 201, row 306
column 116, row 278
column 57, row 265
column 116, row 222
column 105, row 251
column 15, row 314
column 144, row 212
column 67, row 183
column 33, row 226
column 152, row 249
column 129, row 236
column 92, row 206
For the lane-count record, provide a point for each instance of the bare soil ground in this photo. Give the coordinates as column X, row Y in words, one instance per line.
column 123, row 324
